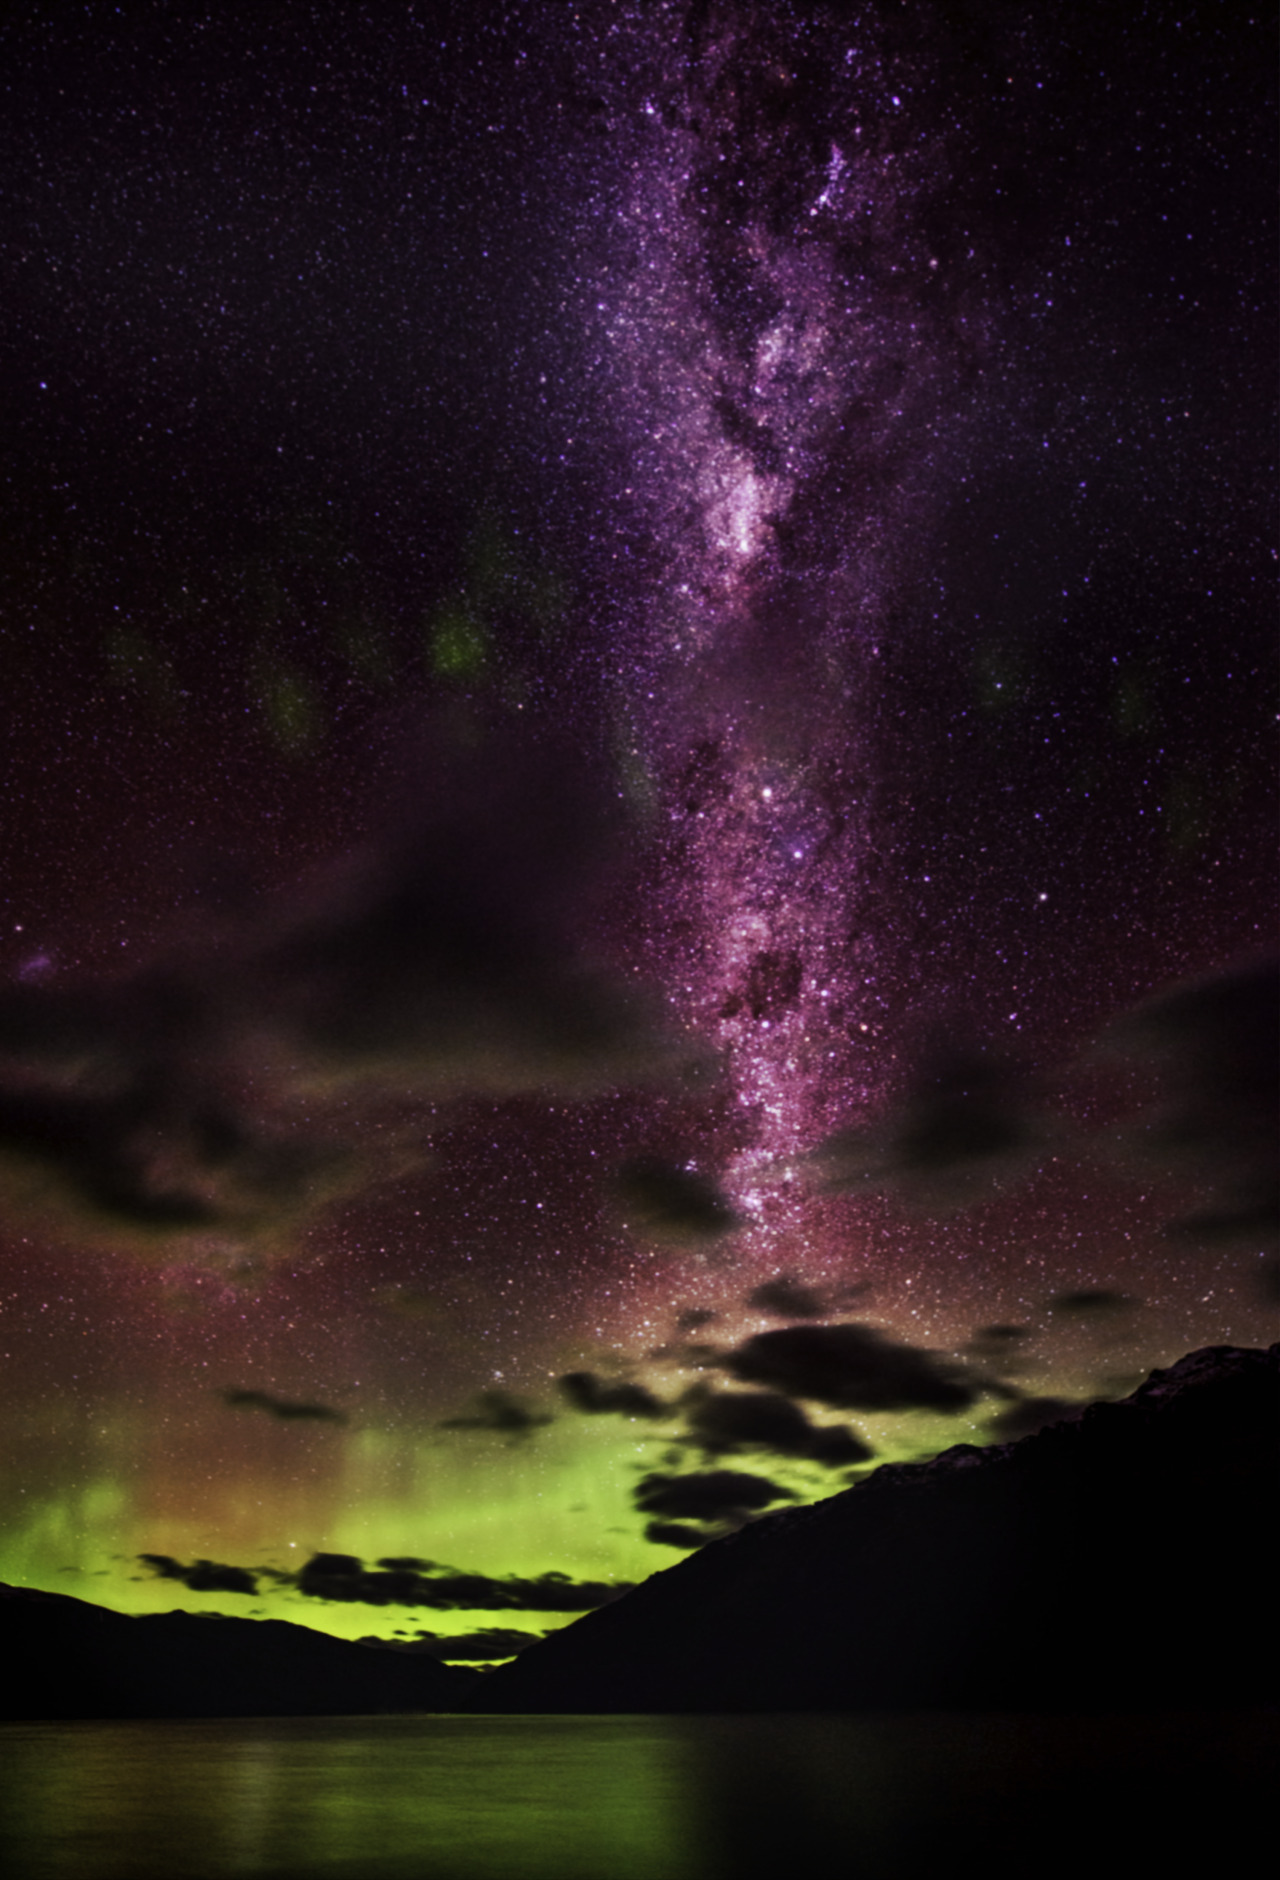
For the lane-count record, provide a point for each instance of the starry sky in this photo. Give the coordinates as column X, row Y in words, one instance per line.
column 638, row 772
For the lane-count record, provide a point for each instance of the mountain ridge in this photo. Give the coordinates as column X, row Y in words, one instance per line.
column 66, row 1657
column 1062, row 1569
column 1121, row 1558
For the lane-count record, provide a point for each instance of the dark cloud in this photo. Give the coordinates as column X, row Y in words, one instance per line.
column 501, row 1414
column 689, row 1510
column 666, row 1202
column 966, row 1128
column 787, row 1298
column 1091, row 1300
column 693, row 1318
column 485, row 1646
column 440, row 964
column 1218, row 1122
column 680, row 1534
column 599, row 1396
column 1030, row 1414
column 115, row 1117
column 345, row 1578
column 281, row 1408
column 710, row 1495
column 1000, row 1334
column 202, row 1576
column 723, row 1422
column 851, row 1367
column 446, row 963
column 971, row 1121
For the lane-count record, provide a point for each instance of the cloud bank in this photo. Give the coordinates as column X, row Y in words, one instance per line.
column 398, row 1581
column 851, row 1367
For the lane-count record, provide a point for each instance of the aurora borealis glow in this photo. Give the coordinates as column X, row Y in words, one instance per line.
column 627, row 630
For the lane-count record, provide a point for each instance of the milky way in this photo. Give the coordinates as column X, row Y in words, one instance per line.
column 628, row 632
column 781, row 370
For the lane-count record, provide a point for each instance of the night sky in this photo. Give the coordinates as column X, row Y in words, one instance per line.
column 638, row 686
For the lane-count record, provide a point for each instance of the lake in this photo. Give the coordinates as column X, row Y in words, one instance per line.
column 625, row 1798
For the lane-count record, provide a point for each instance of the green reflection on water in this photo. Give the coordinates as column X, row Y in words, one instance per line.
column 628, row 1798
column 448, row 1798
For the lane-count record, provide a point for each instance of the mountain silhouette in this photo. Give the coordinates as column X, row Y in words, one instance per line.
column 1123, row 1559
column 63, row 1657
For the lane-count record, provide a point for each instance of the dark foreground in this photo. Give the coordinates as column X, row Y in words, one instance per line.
column 633, row 1798
column 67, row 1658
column 1123, row 1561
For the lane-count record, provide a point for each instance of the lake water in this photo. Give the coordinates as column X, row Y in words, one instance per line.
column 626, row 1798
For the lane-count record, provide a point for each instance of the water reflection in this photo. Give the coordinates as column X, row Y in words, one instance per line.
column 617, row 1798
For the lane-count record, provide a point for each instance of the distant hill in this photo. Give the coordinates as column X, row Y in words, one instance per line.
column 63, row 1657
column 1124, row 1559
